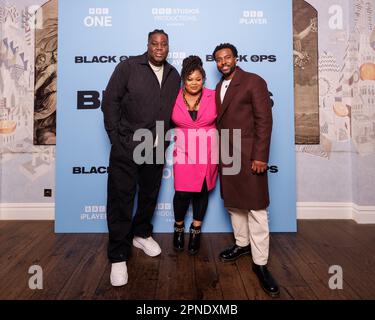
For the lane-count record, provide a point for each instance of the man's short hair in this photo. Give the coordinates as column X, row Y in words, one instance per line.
column 161, row 31
column 226, row 46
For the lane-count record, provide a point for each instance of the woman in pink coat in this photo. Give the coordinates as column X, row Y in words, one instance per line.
column 195, row 153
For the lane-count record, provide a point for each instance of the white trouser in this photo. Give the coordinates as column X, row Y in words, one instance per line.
column 251, row 227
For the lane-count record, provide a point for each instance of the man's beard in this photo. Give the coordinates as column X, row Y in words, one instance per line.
column 226, row 75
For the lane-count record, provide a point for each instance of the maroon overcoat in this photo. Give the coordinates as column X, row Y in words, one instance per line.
column 246, row 106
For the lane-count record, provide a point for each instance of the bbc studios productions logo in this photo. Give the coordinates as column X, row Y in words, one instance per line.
column 253, row 17
column 165, row 211
column 98, row 18
column 175, row 16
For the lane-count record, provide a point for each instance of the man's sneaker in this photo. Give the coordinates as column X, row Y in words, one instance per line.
column 119, row 274
column 148, row 245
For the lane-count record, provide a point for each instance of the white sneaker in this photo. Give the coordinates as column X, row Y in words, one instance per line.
column 119, row 274
column 148, row 245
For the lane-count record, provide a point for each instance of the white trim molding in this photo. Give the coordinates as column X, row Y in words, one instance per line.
column 27, row 211
column 324, row 210
column 305, row 210
column 364, row 214
column 336, row 210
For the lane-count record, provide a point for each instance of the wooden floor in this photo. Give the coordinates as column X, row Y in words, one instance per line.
column 75, row 265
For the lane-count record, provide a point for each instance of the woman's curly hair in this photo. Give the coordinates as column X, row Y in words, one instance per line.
column 191, row 64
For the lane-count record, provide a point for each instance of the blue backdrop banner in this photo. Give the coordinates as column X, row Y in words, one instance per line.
column 93, row 36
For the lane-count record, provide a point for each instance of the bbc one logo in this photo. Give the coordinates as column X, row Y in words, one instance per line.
column 98, row 17
column 251, row 17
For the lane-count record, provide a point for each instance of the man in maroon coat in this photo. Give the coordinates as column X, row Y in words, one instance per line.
column 243, row 103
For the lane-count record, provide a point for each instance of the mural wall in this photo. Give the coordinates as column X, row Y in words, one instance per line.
column 305, row 57
column 339, row 169
column 45, row 79
column 26, row 170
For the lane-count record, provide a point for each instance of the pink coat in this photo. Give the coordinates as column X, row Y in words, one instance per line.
column 195, row 153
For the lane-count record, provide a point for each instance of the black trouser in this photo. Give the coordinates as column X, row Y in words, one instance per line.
column 181, row 202
column 123, row 175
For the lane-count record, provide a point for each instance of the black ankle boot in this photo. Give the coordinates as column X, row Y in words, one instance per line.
column 266, row 280
column 194, row 239
column 178, row 237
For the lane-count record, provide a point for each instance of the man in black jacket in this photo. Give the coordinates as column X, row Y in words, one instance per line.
column 141, row 91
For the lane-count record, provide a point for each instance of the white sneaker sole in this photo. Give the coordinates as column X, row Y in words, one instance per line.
column 145, row 250
column 120, row 283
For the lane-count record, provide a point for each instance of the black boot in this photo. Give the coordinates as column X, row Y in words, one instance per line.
column 266, row 280
column 194, row 239
column 178, row 236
